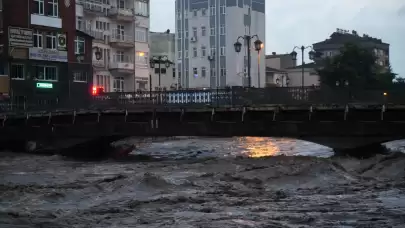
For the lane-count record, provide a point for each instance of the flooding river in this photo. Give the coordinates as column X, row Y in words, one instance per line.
column 205, row 183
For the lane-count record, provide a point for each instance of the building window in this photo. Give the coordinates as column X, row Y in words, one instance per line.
column 141, row 35
column 53, row 9
column 174, row 72
column 222, row 9
column 118, row 85
column 212, row 31
column 204, row 12
column 195, row 13
column 195, row 53
column 186, row 54
column 17, row 71
column 203, row 31
column 223, row 51
column 79, row 45
column 51, row 40
column 195, row 72
column 141, row 57
column 179, row 55
column 194, row 32
column 203, row 72
column 39, row 7
column 79, row 76
column 213, row 72
column 223, row 72
column 141, row 8
column 212, row 51
column 212, row 10
column 38, row 39
column 103, row 81
column 203, row 51
column 222, row 29
column 45, row 73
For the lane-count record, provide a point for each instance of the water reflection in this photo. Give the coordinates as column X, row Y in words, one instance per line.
column 256, row 147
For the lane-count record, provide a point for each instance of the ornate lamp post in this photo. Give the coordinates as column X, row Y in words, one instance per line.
column 258, row 46
column 162, row 59
column 294, row 57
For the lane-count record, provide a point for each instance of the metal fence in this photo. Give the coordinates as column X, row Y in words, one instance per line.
column 231, row 97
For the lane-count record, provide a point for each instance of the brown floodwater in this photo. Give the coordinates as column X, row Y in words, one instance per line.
column 205, row 183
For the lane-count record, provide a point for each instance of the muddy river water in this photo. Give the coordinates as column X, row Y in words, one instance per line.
column 205, row 183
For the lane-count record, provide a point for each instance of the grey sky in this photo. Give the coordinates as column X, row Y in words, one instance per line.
column 291, row 23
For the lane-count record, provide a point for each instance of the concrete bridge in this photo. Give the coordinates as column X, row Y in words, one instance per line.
column 338, row 126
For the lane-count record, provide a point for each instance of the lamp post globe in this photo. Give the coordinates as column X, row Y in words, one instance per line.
column 258, row 45
column 238, row 46
column 311, row 55
column 293, row 55
column 152, row 63
column 168, row 63
column 98, row 54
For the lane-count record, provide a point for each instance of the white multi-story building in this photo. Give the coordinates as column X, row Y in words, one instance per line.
column 206, row 31
column 121, row 30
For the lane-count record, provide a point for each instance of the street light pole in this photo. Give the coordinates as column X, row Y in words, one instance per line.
column 258, row 46
column 159, row 60
column 294, row 57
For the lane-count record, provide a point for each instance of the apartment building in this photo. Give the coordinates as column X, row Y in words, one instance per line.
column 206, row 31
column 163, row 45
column 46, row 59
column 331, row 46
column 121, row 31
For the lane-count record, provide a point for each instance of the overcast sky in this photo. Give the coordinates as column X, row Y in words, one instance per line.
column 291, row 23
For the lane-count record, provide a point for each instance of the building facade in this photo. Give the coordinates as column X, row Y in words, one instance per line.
column 121, row 30
column 46, row 59
column 163, row 44
column 206, row 31
column 331, row 46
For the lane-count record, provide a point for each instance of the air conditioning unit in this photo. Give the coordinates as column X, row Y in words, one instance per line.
column 211, row 57
column 193, row 39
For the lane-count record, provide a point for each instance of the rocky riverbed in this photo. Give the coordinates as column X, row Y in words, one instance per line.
column 238, row 189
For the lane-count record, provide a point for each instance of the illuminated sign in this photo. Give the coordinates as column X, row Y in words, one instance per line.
column 43, row 85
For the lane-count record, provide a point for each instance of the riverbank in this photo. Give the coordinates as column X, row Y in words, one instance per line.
column 279, row 191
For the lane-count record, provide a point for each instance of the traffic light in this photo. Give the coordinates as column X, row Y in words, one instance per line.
column 97, row 90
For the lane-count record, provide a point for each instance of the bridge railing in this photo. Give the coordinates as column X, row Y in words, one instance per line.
column 231, row 97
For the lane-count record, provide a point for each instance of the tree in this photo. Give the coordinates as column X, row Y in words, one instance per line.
column 355, row 66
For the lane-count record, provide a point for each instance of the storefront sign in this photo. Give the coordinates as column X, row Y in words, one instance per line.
column 44, row 85
column 61, row 42
column 20, row 37
column 48, row 55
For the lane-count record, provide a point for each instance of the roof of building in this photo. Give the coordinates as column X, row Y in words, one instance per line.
column 270, row 69
column 346, row 37
column 275, row 55
column 306, row 65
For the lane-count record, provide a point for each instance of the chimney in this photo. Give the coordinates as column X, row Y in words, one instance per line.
column 273, row 53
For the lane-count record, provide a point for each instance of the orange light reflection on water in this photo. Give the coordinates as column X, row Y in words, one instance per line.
column 259, row 147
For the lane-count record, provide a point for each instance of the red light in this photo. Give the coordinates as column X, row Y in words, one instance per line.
column 97, row 90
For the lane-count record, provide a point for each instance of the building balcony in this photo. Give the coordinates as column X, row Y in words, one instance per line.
column 99, row 36
column 98, row 63
column 122, row 41
column 121, row 14
column 122, row 64
column 92, row 7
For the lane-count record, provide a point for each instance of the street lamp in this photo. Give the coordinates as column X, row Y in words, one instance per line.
column 161, row 59
column 97, row 53
column 238, row 47
column 311, row 54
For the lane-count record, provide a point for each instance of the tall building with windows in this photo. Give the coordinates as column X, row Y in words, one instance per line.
column 206, row 31
column 47, row 61
column 121, row 30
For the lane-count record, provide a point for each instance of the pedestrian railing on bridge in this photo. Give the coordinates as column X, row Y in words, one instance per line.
column 230, row 97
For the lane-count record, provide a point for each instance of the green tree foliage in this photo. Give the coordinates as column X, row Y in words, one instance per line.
column 356, row 66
